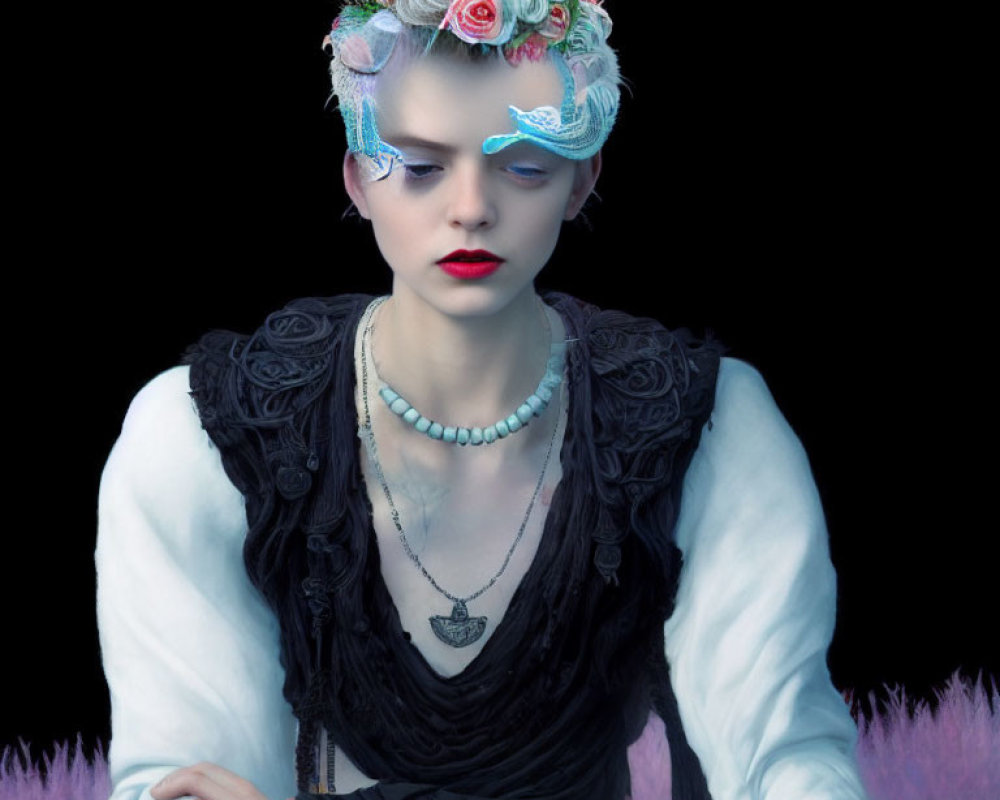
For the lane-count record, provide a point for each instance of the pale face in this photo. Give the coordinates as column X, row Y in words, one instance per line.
column 450, row 196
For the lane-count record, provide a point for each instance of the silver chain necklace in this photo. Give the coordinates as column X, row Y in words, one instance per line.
column 458, row 630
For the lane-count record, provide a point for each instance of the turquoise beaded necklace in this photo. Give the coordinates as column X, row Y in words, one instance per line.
column 459, row 629
column 533, row 406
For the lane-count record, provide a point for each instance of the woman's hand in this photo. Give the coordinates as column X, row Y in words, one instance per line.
column 205, row 781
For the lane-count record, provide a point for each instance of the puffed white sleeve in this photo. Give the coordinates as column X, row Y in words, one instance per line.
column 189, row 647
column 755, row 610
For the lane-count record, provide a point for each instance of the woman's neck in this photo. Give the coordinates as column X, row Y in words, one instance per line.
column 462, row 370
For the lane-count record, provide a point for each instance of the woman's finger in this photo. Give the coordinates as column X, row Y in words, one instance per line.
column 206, row 781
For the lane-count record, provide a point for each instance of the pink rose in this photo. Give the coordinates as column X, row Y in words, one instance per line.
column 557, row 25
column 533, row 48
column 476, row 21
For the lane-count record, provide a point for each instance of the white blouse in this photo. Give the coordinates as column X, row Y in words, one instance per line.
column 190, row 649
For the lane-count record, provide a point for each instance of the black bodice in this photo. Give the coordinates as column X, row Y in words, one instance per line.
column 565, row 682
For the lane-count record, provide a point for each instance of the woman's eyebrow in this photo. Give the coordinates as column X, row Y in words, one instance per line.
column 518, row 149
column 406, row 140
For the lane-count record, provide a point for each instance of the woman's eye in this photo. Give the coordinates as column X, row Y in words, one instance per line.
column 527, row 171
column 416, row 172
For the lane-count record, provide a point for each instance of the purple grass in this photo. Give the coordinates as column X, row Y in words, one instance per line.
column 67, row 777
column 649, row 762
column 952, row 753
column 948, row 753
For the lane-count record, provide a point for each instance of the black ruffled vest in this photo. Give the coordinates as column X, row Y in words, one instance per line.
column 565, row 683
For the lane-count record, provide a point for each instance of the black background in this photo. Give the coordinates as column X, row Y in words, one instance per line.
column 778, row 179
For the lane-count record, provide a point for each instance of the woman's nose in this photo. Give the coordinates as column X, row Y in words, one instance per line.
column 472, row 204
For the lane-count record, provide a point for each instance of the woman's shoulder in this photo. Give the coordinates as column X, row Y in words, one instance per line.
column 163, row 456
column 649, row 382
column 750, row 450
column 617, row 338
column 747, row 411
column 263, row 397
column 300, row 330
column 162, row 404
column 266, row 376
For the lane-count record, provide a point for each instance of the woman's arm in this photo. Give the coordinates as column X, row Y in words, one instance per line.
column 756, row 608
column 190, row 649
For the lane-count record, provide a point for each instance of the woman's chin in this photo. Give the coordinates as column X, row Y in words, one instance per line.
column 465, row 298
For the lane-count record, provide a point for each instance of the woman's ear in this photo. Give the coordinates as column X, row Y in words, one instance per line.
column 587, row 172
column 355, row 185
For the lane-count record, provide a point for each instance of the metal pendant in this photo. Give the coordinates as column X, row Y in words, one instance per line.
column 458, row 630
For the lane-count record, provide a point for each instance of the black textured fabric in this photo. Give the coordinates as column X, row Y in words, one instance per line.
column 394, row 791
column 564, row 684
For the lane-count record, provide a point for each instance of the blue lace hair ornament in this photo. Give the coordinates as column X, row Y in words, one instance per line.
column 572, row 32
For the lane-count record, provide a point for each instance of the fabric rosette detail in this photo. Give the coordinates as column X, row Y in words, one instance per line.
column 296, row 331
column 481, row 21
column 293, row 482
column 607, row 560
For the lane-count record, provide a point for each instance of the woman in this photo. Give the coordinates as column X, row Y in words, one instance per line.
column 477, row 599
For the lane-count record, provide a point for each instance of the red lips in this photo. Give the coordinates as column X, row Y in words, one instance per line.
column 470, row 264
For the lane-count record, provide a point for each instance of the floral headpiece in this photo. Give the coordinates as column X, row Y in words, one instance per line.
column 573, row 32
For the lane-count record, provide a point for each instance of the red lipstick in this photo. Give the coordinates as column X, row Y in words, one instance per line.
column 470, row 264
